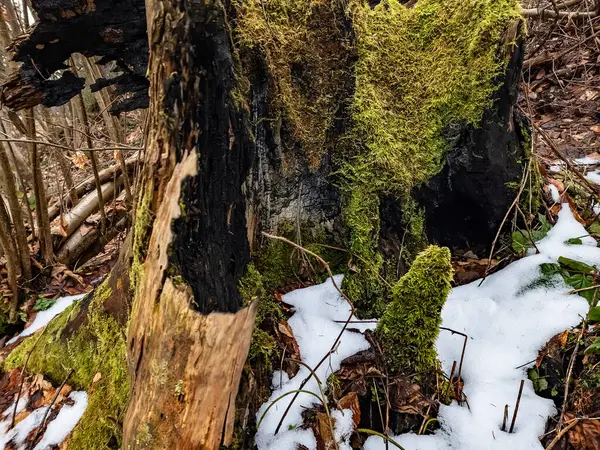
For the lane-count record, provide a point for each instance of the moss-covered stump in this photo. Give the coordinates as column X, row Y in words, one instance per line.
column 411, row 322
column 96, row 346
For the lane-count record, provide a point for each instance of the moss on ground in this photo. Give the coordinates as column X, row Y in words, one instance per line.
column 97, row 346
column 411, row 322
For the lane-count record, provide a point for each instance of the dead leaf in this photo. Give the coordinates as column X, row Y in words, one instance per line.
column 79, row 160
column 97, row 378
column 350, row 401
column 322, row 429
column 585, row 435
column 595, row 128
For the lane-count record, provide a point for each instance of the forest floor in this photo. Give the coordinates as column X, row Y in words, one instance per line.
column 552, row 342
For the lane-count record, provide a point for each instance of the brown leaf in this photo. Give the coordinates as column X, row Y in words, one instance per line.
column 585, row 435
column 322, row 429
column 350, row 401
column 97, row 378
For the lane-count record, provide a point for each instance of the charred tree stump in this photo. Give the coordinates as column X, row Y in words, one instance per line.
column 189, row 333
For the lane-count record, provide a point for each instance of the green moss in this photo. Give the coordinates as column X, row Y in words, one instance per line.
column 418, row 71
column 411, row 322
column 308, row 57
column 96, row 347
column 141, row 237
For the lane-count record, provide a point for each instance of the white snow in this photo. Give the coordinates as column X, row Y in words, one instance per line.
column 586, row 161
column 507, row 321
column 44, row 317
column 593, row 177
column 554, row 192
column 56, row 430
column 313, row 323
column 64, row 422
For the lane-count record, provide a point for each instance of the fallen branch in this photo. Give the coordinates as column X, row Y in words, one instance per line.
column 89, row 183
column 548, row 13
column 89, row 204
column 79, row 244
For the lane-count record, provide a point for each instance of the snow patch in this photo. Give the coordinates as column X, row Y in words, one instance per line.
column 43, row 318
column 508, row 319
column 65, row 421
column 593, row 177
column 554, row 193
column 56, row 431
column 318, row 309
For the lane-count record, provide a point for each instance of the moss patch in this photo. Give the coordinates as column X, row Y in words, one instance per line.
column 308, row 55
column 96, row 346
column 411, row 322
column 418, row 70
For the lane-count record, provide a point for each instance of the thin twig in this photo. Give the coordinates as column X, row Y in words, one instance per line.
column 568, row 379
column 515, row 201
column 561, row 433
column 339, row 336
column 514, row 419
column 56, row 394
column 64, row 147
column 12, row 421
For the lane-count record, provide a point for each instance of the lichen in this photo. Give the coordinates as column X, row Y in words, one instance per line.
column 97, row 346
column 410, row 325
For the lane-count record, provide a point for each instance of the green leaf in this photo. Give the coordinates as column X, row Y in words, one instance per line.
column 594, row 348
column 545, row 225
column 594, row 228
column 574, row 241
column 42, row 304
column 594, row 314
column 539, row 383
column 579, row 281
column 520, row 243
column 550, row 269
column 574, row 266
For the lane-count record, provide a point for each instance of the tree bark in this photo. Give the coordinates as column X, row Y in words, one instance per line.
column 193, row 326
column 10, row 186
column 41, row 204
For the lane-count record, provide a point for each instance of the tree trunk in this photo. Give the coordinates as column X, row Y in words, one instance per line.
column 191, row 328
column 41, row 204
column 10, row 186
column 12, row 265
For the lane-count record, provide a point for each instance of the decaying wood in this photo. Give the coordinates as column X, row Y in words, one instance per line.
column 190, row 333
column 175, row 345
column 112, row 29
column 86, row 206
column 88, row 184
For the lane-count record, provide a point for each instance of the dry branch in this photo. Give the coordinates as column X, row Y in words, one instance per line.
column 86, row 206
column 89, row 183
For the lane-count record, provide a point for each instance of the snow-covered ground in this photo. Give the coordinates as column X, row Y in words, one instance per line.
column 56, row 431
column 507, row 322
column 43, row 318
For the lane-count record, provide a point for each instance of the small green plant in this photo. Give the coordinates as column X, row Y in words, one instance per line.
column 522, row 240
column 179, row 389
column 580, row 276
column 42, row 304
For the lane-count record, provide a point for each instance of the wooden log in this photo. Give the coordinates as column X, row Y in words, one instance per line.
column 86, row 207
column 82, row 241
column 89, row 183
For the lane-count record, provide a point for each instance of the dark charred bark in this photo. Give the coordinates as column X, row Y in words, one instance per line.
column 112, row 29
